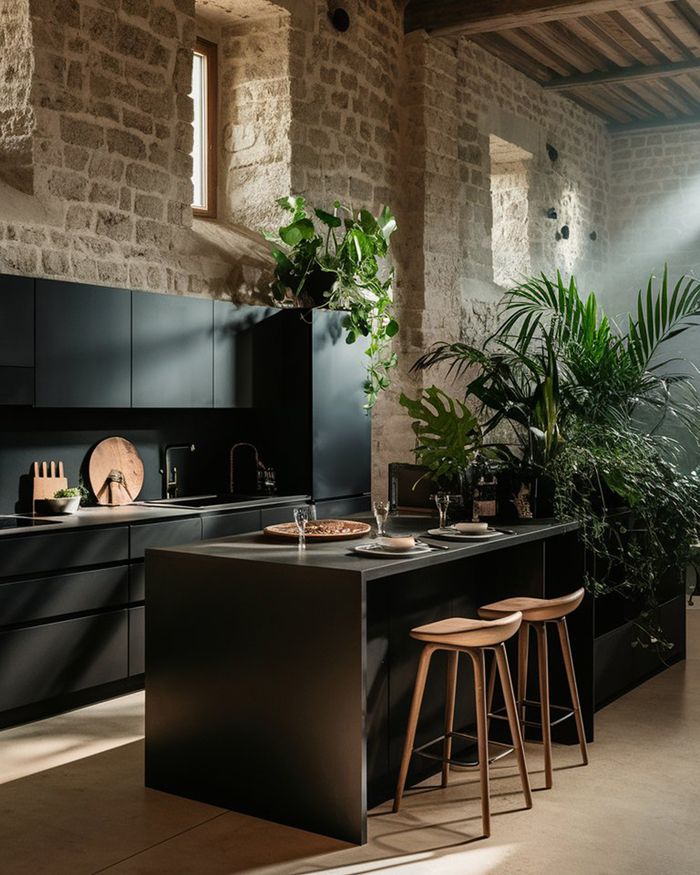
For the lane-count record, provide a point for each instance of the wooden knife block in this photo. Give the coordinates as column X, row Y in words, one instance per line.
column 45, row 484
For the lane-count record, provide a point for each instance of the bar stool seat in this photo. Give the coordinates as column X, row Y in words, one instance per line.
column 468, row 632
column 537, row 613
column 471, row 636
column 533, row 609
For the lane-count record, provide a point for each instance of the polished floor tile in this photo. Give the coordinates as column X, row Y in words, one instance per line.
column 632, row 810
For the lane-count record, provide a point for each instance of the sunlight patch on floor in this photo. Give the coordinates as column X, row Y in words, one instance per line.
column 45, row 744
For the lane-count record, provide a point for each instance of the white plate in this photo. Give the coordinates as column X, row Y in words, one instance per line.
column 454, row 535
column 378, row 550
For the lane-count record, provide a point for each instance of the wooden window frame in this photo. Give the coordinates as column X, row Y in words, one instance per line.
column 210, row 52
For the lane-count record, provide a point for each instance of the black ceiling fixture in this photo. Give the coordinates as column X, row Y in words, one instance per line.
column 565, row 232
column 339, row 16
column 552, row 153
column 551, row 213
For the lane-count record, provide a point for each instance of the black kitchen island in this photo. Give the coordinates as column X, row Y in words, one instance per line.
column 278, row 682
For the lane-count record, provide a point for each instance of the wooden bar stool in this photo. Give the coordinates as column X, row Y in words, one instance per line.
column 536, row 614
column 460, row 635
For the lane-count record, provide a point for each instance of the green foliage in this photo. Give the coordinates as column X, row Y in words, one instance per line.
column 335, row 260
column 448, row 434
column 71, row 492
column 585, row 401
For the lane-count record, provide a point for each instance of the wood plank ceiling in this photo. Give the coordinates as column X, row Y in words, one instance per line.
column 635, row 64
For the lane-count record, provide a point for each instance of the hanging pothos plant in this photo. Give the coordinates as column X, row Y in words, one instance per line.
column 334, row 260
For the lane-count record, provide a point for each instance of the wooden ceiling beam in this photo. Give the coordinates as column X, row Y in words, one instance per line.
column 625, row 74
column 654, row 124
column 442, row 17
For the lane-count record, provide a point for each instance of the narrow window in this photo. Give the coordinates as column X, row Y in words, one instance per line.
column 204, row 98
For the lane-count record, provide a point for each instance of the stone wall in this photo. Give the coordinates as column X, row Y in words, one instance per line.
column 16, row 113
column 255, row 118
column 656, row 203
column 367, row 116
column 655, row 197
column 110, row 152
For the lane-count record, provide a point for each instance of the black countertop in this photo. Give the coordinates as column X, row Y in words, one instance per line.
column 90, row 517
column 338, row 556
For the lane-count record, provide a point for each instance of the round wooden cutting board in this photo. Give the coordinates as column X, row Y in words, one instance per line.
column 321, row 530
column 115, row 471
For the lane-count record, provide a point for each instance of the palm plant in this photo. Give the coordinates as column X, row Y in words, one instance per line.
column 585, row 399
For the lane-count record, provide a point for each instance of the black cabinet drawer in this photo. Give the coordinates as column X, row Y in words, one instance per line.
column 137, row 641
column 34, row 554
column 167, row 534
column 342, row 507
column 25, row 601
column 221, row 525
column 137, row 582
column 83, row 345
column 270, row 516
column 43, row 662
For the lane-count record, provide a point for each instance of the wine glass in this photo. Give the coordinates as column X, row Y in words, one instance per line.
column 380, row 508
column 301, row 518
column 442, row 501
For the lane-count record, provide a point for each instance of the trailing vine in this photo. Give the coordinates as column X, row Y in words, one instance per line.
column 336, row 260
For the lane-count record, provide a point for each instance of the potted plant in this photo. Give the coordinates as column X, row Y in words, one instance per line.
column 448, row 438
column 584, row 402
column 337, row 260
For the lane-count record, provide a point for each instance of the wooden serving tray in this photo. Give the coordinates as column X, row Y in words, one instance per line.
column 351, row 529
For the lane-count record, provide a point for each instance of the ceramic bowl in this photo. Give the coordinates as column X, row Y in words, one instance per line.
column 63, row 505
column 471, row 528
column 400, row 544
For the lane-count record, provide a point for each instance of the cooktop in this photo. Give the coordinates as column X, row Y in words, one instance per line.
column 23, row 522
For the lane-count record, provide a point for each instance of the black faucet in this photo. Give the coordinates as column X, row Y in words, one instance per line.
column 256, row 477
column 170, row 481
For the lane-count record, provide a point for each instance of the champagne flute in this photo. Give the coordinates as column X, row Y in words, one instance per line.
column 442, row 501
column 301, row 518
column 380, row 508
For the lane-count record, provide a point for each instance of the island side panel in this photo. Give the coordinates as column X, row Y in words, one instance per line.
column 255, row 689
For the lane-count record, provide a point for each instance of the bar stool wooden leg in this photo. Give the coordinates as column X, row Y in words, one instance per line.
column 523, row 650
column 416, row 701
column 573, row 687
column 490, row 692
column 452, row 666
column 543, row 671
column 507, row 687
column 481, row 732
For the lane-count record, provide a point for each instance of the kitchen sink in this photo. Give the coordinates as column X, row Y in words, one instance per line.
column 204, row 500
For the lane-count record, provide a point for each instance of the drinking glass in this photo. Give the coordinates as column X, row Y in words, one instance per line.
column 301, row 518
column 442, row 500
column 380, row 509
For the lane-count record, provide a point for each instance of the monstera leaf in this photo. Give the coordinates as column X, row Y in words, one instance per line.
column 447, row 432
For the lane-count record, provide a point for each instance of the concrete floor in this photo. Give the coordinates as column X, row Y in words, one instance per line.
column 72, row 801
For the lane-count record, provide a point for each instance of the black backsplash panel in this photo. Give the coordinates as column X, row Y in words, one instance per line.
column 29, row 435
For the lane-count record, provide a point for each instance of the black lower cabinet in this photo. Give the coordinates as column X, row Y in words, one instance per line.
column 137, row 641
column 55, row 659
column 342, row 507
column 44, row 598
column 222, row 525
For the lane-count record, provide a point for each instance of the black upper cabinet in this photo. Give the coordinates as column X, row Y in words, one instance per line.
column 238, row 334
column 16, row 340
column 341, row 429
column 173, row 350
column 83, row 345
column 16, row 321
